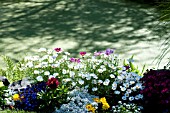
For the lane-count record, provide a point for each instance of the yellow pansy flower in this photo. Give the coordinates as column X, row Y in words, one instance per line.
column 16, row 97
column 103, row 100
column 96, row 100
column 93, row 110
column 105, row 106
column 89, row 107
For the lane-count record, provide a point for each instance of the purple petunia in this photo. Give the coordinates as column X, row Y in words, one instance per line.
column 109, row 51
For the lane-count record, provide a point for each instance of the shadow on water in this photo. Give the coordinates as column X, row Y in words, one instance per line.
column 77, row 25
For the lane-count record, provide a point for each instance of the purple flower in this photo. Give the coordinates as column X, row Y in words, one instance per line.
column 72, row 59
column 75, row 60
column 109, row 51
column 127, row 67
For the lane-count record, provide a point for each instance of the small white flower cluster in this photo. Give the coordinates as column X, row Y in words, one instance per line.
column 78, row 101
column 128, row 82
column 126, row 108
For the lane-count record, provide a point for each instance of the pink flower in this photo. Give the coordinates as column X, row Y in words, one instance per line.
column 164, row 90
column 82, row 53
column 57, row 49
column 97, row 53
column 75, row 60
column 72, row 59
column 52, row 83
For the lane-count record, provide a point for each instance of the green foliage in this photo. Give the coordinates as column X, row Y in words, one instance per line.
column 165, row 10
column 13, row 72
column 2, row 101
column 57, row 96
column 13, row 111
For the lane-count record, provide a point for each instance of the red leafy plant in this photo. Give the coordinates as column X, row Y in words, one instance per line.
column 157, row 91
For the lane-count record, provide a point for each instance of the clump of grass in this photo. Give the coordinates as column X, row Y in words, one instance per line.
column 164, row 8
column 12, row 71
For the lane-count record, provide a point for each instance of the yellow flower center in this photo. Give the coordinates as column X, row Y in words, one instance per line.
column 90, row 108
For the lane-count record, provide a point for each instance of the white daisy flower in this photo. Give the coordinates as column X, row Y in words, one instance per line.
column 73, row 83
column 55, row 74
column 129, row 91
column 72, row 73
column 44, row 64
column 100, row 81
column 71, row 66
column 102, row 66
column 50, row 76
column 122, row 88
column 88, row 77
column 44, row 57
column 76, row 67
column 36, row 72
column 106, row 82
column 46, row 73
column 124, row 98
column 137, row 97
column 137, row 78
column 123, row 68
column 138, row 86
column 120, row 77
column 94, row 82
column 100, row 70
column 66, row 80
column 95, row 76
column 131, row 98
column 39, row 78
column 37, row 66
column 126, row 94
column 65, row 57
column 117, row 92
column 87, row 86
column 133, row 88
column 114, row 86
column 140, row 96
column 81, row 82
column 49, row 51
column 64, row 71
column 94, row 89
column 97, row 63
column 29, row 64
column 94, row 66
column 132, row 82
column 126, row 85
column 112, row 76
column 67, row 53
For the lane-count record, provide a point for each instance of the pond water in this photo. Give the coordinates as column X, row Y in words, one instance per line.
column 82, row 25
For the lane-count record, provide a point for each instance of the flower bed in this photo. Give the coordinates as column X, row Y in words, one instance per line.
column 99, row 83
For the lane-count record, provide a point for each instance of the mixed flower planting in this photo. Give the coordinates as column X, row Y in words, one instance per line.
column 54, row 82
